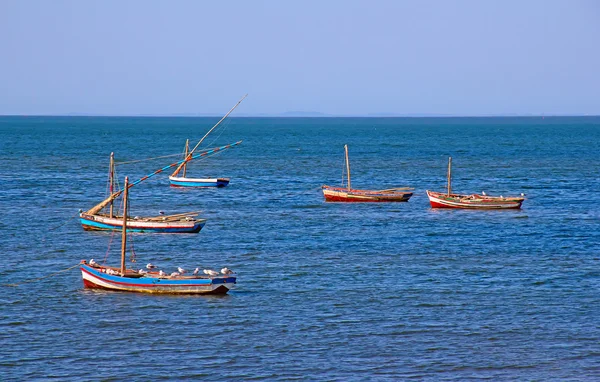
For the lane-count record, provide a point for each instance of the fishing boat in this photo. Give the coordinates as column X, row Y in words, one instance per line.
column 97, row 276
column 179, row 177
column 184, row 181
column 473, row 201
column 97, row 218
column 347, row 194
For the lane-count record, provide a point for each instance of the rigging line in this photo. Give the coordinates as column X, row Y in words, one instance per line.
column 146, row 159
column 221, row 131
column 41, row 278
column 65, row 222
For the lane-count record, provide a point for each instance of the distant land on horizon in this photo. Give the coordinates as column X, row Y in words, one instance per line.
column 305, row 114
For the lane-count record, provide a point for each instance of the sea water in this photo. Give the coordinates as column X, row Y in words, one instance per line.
column 326, row 291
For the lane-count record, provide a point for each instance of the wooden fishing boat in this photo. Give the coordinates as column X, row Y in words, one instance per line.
column 96, row 276
column 182, row 180
column 98, row 219
column 472, row 201
column 347, row 194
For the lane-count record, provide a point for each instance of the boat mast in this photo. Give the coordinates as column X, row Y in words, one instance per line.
column 347, row 167
column 111, row 179
column 124, row 234
column 206, row 135
column 187, row 149
column 449, row 175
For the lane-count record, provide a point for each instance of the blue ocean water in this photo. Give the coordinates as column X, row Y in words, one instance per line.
column 325, row 291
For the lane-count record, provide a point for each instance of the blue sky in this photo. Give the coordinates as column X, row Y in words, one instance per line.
column 332, row 57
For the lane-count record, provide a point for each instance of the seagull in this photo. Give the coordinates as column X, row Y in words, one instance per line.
column 210, row 272
column 161, row 273
column 522, row 194
column 180, row 270
column 196, row 271
column 142, row 272
column 161, row 212
column 175, row 274
column 93, row 263
column 226, row 271
column 150, row 266
column 483, row 193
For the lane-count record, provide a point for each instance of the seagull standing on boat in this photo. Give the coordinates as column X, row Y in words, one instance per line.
column 210, row 272
column 196, row 271
column 181, row 270
column 483, row 193
column 175, row 274
column 161, row 273
column 150, row 266
column 142, row 272
column 93, row 263
column 226, row 271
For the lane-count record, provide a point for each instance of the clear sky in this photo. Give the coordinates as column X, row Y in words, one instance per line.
column 334, row 57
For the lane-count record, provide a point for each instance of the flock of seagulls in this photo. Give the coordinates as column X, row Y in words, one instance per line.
column 180, row 271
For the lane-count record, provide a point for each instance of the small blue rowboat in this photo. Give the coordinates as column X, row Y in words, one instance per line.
column 196, row 182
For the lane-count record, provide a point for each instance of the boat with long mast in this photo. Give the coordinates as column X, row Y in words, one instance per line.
column 188, row 222
column 179, row 177
column 482, row 201
column 97, row 276
column 348, row 194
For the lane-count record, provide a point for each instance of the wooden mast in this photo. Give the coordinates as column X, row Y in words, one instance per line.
column 111, row 179
column 187, row 149
column 206, row 135
column 124, row 234
column 449, row 175
column 348, row 167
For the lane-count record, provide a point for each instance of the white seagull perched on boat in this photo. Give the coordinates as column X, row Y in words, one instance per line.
column 483, row 193
column 93, row 263
column 175, row 274
column 161, row 273
column 180, row 270
column 150, row 266
column 142, row 272
column 226, row 271
column 210, row 272
column 196, row 271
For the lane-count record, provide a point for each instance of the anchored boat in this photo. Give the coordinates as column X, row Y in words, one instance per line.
column 182, row 180
column 347, row 194
column 472, row 201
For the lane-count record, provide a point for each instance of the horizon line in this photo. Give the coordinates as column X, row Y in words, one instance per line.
column 301, row 115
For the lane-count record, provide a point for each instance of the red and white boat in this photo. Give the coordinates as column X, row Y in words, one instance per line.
column 347, row 194
column 472, row 201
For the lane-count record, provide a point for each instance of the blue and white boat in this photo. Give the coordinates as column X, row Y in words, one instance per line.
column 179, row 179
column 198, row 182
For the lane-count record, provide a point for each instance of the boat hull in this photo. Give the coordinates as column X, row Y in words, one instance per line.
column 105, row 223
column 96, row 278
column 474, row 202
column 197, row 182
column 339, row 194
